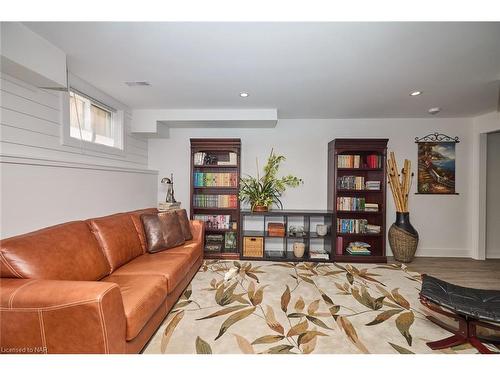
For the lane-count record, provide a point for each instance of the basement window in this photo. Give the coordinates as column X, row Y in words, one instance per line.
column 93, row 124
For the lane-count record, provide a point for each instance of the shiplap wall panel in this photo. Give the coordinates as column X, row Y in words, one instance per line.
column 30, row 125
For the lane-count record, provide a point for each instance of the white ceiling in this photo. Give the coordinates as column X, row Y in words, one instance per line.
column 305, row 70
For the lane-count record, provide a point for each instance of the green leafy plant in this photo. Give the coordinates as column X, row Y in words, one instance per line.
column 266, row 190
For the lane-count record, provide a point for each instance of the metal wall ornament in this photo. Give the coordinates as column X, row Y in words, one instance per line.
column 436, row 164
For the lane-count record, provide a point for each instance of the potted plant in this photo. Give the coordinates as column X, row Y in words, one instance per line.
column 262, row 192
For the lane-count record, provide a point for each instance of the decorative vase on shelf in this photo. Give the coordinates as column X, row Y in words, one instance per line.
column 403, row 238
column 299, row 249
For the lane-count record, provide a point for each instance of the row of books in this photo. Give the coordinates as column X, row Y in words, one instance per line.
column 215, row 201
column 356, row 183
column 355, row 204
column 202, row 158
column 351, row 182
column 357, row 161
column 356, row 226
column 226, row 179
column 216, row 221
column 351, row 204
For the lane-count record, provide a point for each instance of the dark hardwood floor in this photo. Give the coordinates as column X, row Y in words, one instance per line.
column 484, row 274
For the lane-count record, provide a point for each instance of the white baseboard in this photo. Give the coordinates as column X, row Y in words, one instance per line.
column 443, row 252
column 492, row 254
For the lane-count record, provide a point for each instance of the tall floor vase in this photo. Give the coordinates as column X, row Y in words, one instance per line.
column 403, row 238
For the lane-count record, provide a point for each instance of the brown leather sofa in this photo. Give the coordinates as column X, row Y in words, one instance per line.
column 90, row 286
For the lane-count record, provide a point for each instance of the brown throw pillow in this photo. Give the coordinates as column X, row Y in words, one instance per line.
column 163, row 231
column 184, row 221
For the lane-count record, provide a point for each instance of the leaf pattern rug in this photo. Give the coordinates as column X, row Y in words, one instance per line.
column 299, row 308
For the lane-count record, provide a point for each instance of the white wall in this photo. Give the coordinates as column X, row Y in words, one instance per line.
column 482, row 125
column 45, row 182
column 443, row 221
column 492, row 196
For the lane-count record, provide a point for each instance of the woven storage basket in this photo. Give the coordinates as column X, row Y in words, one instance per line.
column 253, row 247
column 403, row 244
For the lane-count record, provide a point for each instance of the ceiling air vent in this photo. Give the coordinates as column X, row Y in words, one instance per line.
column 137, row 83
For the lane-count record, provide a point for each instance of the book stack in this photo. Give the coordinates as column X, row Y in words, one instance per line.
column 318, row 254
column 372, row 185
column 350, row 204
column 351, row 183
column 351, row 225
column 202, row 179
column 373, row 207
column 373, row 229
column 231, row 161
column 213, row 242
column 215, row 221
column 215, row 201
column 168, row 206
column 358, row 248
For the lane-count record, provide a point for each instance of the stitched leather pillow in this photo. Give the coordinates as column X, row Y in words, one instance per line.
column 163, row 231
column 184, row 221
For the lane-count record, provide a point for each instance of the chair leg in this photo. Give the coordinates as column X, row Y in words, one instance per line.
column 481, row 348
column 460, row 335
column 447, row 342
column 475, row 342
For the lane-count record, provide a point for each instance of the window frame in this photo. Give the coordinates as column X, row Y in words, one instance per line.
column 117, row 118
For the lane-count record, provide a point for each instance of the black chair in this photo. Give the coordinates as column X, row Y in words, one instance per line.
column 471, row 308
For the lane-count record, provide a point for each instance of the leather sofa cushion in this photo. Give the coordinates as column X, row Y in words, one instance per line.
column 191, row 249
column 142, row 295
column 184, row 222
column 172, row 267
column 118, row 238
column 63, row 252
column 139, row 227
column 163, row 231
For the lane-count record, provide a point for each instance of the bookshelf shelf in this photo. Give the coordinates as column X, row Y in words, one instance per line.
column 217, row 185
column 280, row 248
column 215, row 166
column 371, row 157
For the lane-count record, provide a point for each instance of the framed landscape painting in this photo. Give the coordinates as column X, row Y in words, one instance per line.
column 436, row 167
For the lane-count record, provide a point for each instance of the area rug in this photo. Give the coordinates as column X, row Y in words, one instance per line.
column 299, row 308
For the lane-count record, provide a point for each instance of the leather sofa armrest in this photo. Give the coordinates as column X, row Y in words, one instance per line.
column 198, row 231
column 59, row 316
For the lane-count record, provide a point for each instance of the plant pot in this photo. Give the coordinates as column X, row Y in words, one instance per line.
column 258, row 208
column 298, row 249
column 403, row 238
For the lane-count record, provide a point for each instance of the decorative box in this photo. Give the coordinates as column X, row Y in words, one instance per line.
column 276, row 229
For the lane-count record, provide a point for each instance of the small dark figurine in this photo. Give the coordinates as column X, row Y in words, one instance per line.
column 210, row 160
column 170, row 188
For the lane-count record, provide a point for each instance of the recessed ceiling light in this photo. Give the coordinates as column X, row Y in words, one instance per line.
column 415, row 93
column 434, row 110
column 244, row 94
column 137, row 83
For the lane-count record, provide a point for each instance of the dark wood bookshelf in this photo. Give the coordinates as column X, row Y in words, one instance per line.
column 219, row 150
column 280, row 248
column 377, row 241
